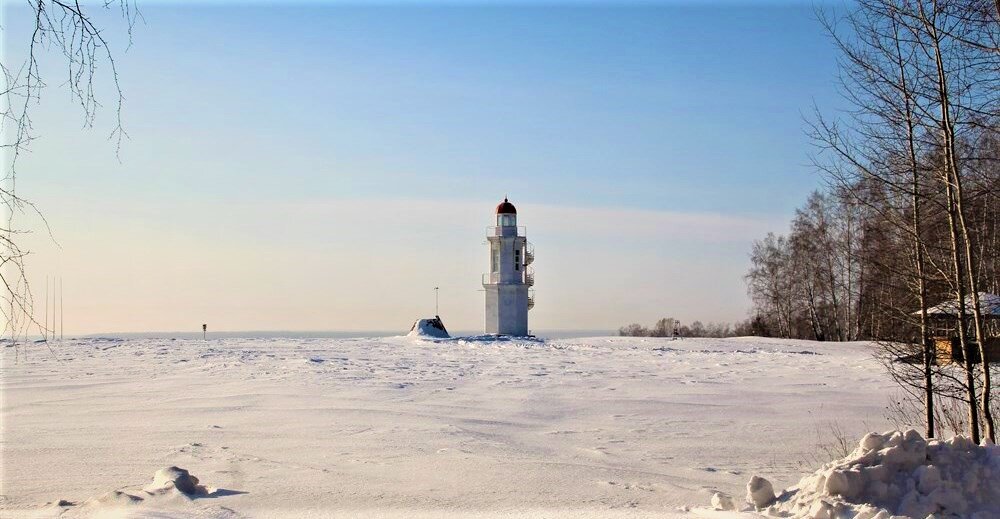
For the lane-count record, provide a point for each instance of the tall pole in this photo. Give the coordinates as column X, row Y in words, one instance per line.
column 62, row 311
column 55, row 304
column 45, row 327
column 436, row 312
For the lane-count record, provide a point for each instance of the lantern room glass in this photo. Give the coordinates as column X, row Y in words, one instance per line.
column 506, row 220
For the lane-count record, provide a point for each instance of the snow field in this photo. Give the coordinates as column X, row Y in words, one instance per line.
column 596, row 427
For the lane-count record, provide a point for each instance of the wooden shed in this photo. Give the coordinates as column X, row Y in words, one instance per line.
column 948, row 347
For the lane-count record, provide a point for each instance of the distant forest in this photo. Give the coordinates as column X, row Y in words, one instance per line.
column 848, row 269
column 670, row 327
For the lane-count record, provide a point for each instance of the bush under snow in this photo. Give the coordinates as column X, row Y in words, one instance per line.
column 899, row 474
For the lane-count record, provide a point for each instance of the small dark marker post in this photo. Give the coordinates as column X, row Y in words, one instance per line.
column 204, row 331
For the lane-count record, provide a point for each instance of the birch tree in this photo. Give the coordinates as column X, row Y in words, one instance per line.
column 65, row 31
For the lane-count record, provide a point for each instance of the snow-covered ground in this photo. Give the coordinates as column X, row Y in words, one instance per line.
column 403, row 427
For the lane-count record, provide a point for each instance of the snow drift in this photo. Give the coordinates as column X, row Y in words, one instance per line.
column 900, row 474
column 175, row 478
column 171, row 486
column 432, row 327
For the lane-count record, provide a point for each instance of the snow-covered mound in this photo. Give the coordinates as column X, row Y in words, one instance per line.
column 175, row 478
column 432, row 327
column 901, row 474
column 171, row 487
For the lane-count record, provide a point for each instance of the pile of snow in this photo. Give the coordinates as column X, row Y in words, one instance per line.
column 760, row 493
column 169, row 484
column 175, row 478
column 432, row 327
column 891, row 474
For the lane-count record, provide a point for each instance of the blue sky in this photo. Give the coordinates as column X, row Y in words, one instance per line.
column 375, row 140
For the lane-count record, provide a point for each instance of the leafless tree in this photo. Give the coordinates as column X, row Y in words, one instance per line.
column 910, row 211
column 68, row 30
column 965, row 88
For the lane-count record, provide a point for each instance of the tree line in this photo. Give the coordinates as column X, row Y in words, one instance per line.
column 670, row 327
column 910, row 215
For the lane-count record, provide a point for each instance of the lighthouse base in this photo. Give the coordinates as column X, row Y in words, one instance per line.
column 507, row 309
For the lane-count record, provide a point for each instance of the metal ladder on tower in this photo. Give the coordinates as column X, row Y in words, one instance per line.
column 529, row 273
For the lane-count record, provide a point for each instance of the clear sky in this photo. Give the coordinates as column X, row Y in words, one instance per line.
column 324, row 166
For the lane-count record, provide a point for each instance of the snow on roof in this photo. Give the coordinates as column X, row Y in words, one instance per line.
column 989, row 305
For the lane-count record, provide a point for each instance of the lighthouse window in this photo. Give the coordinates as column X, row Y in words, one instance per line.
column 495, row 260
column 517, row 259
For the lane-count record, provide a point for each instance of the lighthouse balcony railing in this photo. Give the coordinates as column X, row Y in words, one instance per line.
column 526, row 277
column 529, row 253
column 506, row 230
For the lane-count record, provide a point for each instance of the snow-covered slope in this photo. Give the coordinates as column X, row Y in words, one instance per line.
column 398, row 427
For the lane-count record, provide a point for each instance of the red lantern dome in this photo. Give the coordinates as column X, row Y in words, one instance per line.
column 506, row 207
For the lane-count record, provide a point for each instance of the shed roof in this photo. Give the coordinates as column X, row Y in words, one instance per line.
column 989, row 305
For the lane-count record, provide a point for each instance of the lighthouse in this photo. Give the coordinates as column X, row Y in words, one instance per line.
column 508, row 284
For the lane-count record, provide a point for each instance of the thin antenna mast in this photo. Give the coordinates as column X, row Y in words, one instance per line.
column 45, row 327
column 62, row 311
column 55, row 307
column 437, row 313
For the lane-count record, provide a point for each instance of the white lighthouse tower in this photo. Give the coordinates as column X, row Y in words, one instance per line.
column 508, row 284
